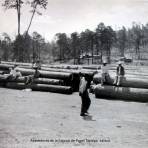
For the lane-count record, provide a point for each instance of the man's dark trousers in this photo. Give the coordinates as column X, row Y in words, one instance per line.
column 85, row 102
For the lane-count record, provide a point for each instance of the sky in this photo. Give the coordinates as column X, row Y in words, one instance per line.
column 67, row 16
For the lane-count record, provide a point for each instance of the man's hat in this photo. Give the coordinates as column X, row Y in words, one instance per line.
column 37, row 60
column 120, row 62
column 104, row 62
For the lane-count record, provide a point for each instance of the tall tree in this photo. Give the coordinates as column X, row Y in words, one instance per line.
column 145, row 35
column 6, row 46
column 54, row 50
column 110, row 37
column 63, row 44
column 34, row 5
column 106, row 36
column 91, row 37
column 99, row 39
column 38, row 42
column 14, row 4
column 18, row 49
column 137, row 36
column 75, row 46
column 27, row 47
column 122, row 39
column 87, row 43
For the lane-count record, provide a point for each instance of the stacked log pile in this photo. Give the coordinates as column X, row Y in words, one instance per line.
column 48, row 80
column 134, row 85
column 64, row 79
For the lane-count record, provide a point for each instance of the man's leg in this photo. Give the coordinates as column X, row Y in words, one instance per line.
column 116, row 80
column 119, row 80
column 102, row 79
column 88, row 102
column 83, row 106
column 105, row 78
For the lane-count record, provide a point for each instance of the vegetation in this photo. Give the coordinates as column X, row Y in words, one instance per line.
column 21, row 47
column 100, row 42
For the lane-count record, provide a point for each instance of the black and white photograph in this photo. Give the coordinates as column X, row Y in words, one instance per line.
column 73, row 74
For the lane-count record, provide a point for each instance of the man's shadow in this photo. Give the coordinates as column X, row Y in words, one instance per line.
column 88, row 118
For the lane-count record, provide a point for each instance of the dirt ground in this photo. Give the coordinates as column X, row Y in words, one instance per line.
column 46, row 120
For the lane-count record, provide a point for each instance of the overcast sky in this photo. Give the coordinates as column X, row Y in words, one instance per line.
column 77, row 15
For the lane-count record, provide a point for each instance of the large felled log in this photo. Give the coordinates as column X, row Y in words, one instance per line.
column 135, row 82
column 92, row 67
column 5, row 67
column 52, row 88
column 76, row 77
column 41, row 87
column 16, row 63
column 121, row 93
column 46, row 74
column 3, row 78
column 61, row 66
column 73, row 67
column 73, row 71
column 48, row 81
column 70, row 78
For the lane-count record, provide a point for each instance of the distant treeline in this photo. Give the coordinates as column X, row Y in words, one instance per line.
column 101, row 41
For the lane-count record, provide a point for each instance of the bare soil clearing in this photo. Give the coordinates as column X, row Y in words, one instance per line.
column 45, row 120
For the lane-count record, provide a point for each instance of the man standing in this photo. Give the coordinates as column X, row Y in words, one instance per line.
column 83, row 92
column 37, row 65
column 119, row 74
column 104, row 73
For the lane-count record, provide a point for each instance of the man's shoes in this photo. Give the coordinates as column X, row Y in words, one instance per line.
column 84, row 114
column 87, row 113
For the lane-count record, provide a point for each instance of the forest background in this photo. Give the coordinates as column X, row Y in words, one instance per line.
column 74, row 48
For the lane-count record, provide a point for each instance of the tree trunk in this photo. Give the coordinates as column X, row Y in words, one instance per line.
column 41, row 87
column 47, row 74
column 60, row 54
column 18, row 14
column 92, row 50
column 101, row 52
column 34, row 10
column 19, row 18
column 121, row 93
column 122, row 50
column 3, row 78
